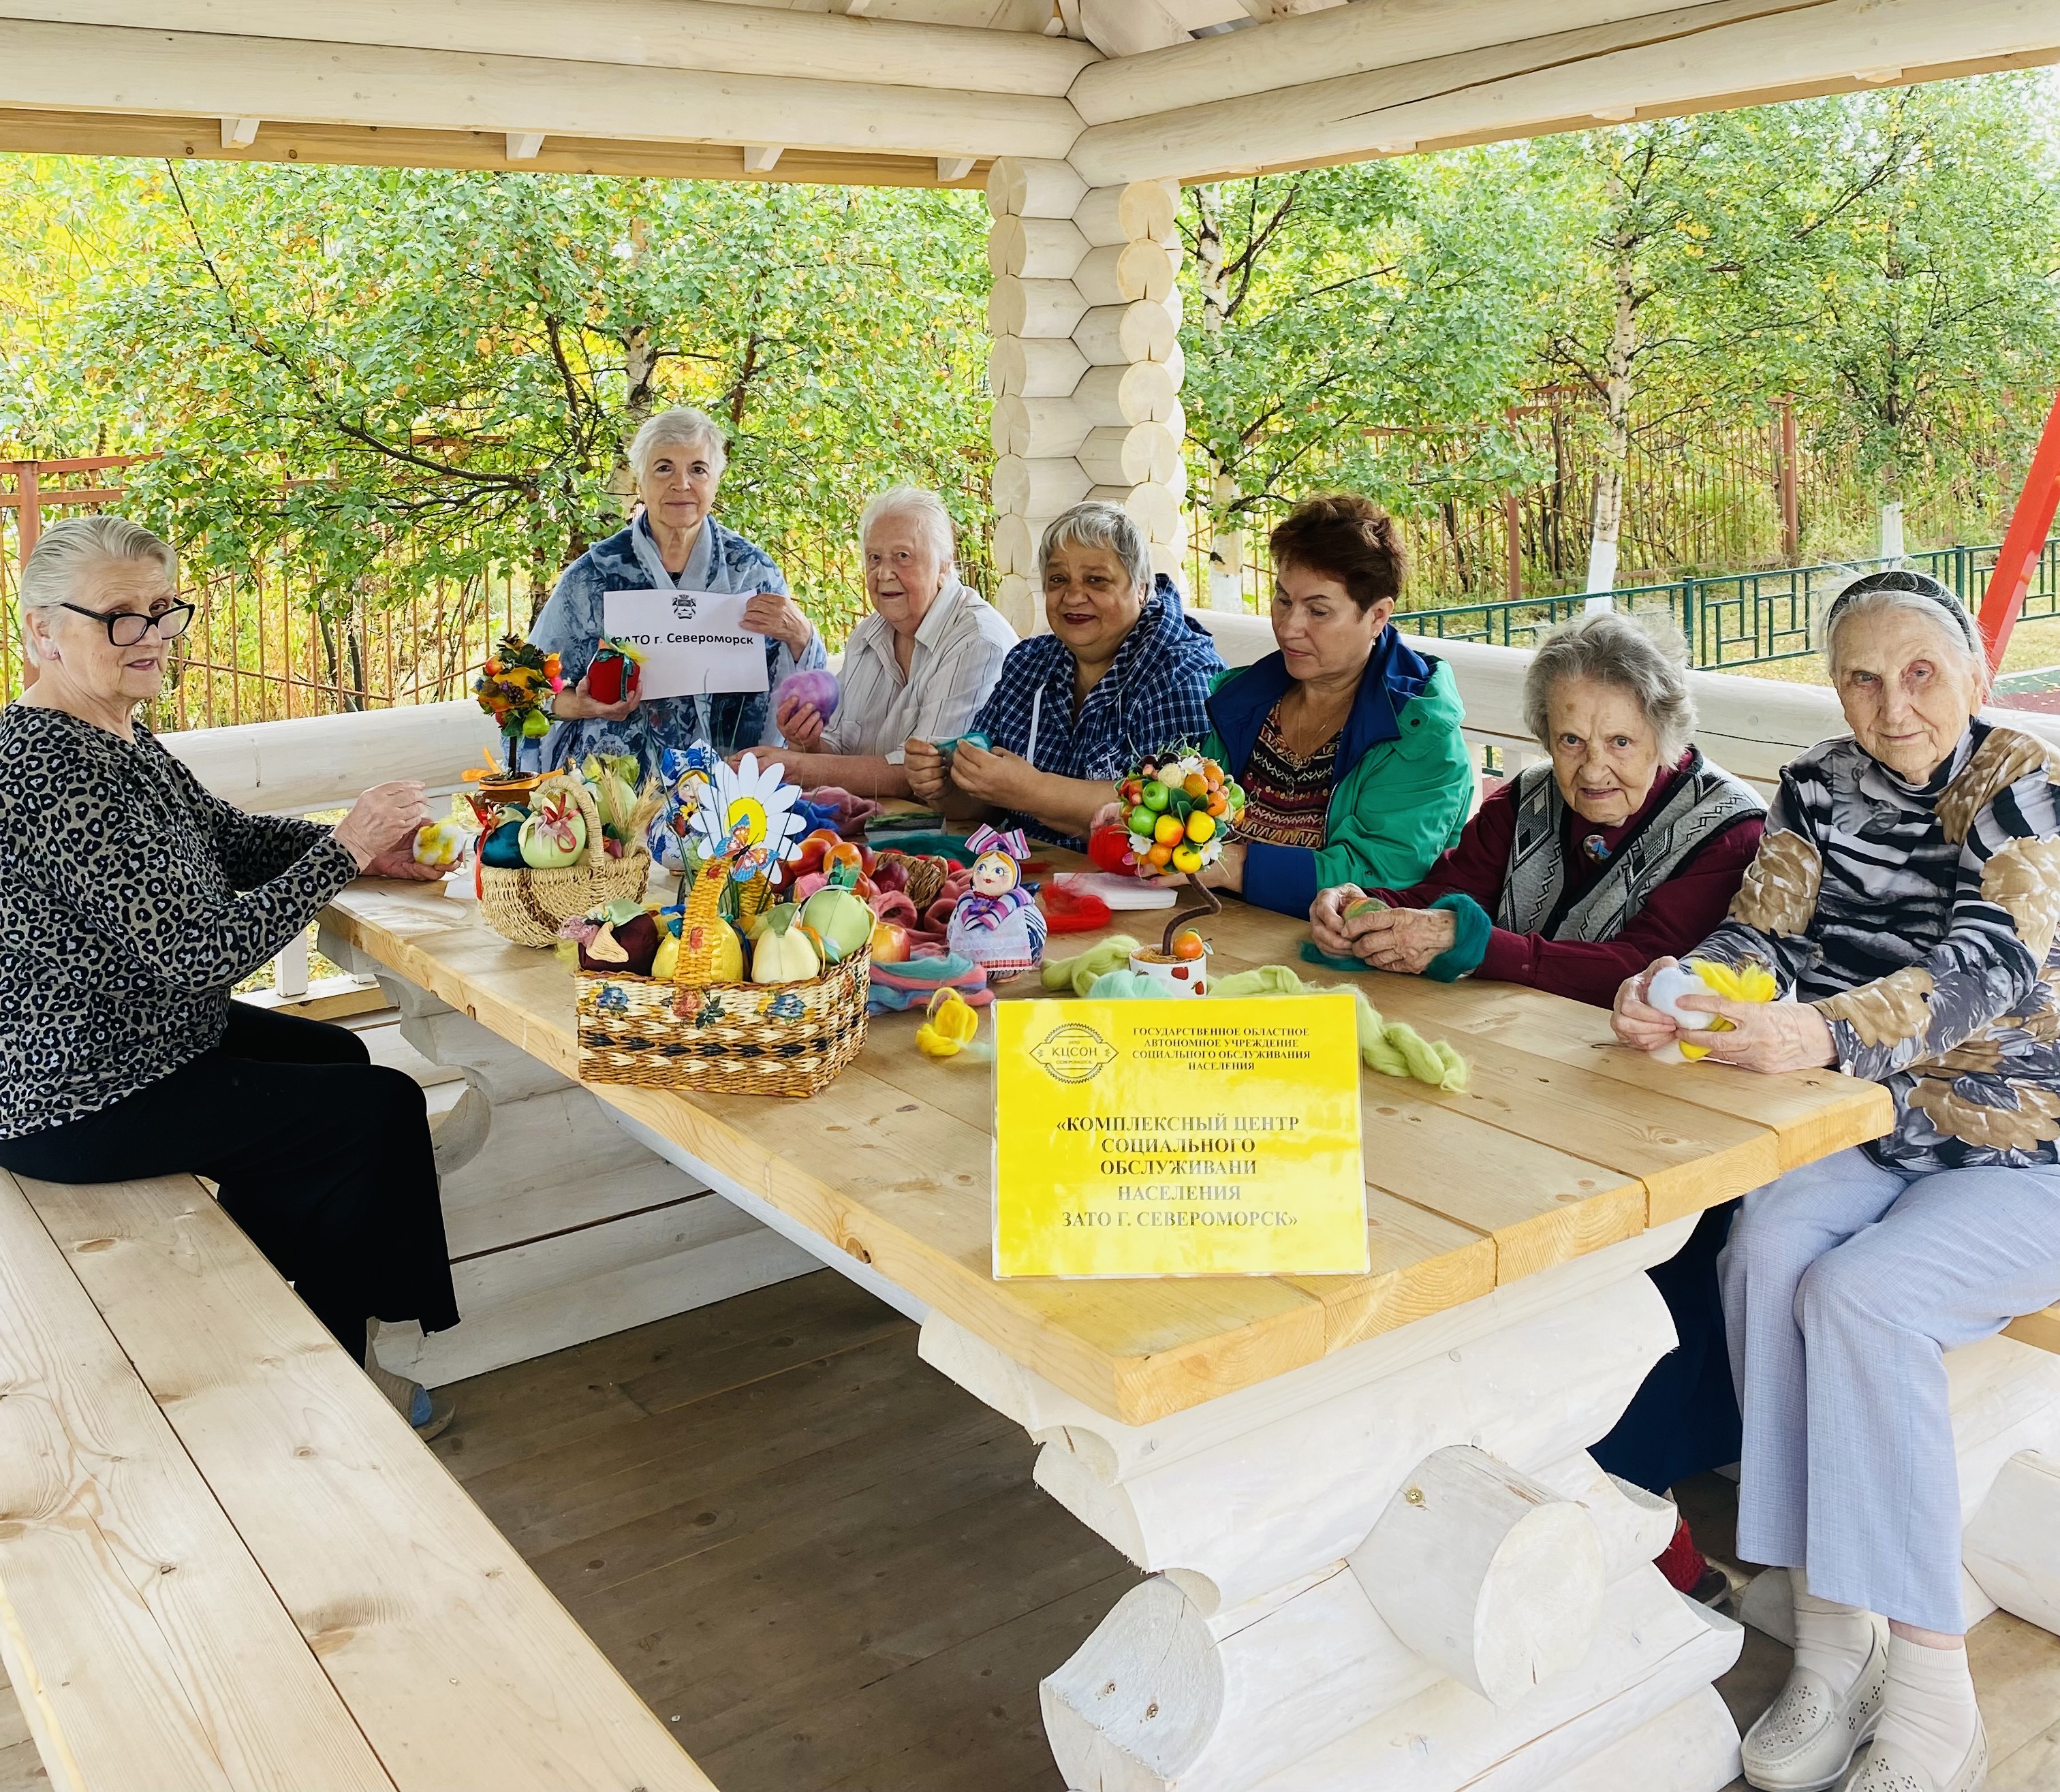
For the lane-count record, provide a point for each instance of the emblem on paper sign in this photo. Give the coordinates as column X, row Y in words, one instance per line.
column 684, row 606
column 1072, row 1053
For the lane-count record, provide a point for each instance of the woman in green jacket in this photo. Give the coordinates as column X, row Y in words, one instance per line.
column 1347, row 741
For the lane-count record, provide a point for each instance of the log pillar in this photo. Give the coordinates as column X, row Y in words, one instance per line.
column 1086, row 366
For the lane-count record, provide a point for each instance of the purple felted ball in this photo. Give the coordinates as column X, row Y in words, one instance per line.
column 817, row 689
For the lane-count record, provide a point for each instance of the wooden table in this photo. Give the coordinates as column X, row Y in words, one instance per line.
column 1366, row 1500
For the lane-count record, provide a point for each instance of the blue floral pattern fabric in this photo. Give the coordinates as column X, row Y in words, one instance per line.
column 1154, row 697
column 570, row 626
column 1920, row 919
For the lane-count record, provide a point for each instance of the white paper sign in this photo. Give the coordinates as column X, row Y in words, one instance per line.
column 694, row 642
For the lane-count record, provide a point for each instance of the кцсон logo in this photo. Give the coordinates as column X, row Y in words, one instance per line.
column 684, row 604
column 1072, row 1053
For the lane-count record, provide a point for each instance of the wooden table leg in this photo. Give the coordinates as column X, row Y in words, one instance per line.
column 1396, row 1567
column 562, row 1227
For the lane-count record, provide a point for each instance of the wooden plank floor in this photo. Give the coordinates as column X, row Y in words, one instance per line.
column 821, row 1559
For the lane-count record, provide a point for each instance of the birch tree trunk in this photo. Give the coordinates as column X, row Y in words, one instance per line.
column 1616, row 444
column 1226, row 542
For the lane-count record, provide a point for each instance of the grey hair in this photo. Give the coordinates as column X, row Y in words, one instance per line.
column 1104, row 526
column 1899, row 591
column 1618, row 650
column 921, row 506
column 53, row 575
column 680, row 427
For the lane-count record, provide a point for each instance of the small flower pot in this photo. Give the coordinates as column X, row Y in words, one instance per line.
column 1173, row 976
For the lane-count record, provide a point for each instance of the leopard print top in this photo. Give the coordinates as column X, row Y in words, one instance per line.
column 131, row 903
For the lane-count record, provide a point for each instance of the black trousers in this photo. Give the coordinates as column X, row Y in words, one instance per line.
column 1685, row 1418
column 323, row 1159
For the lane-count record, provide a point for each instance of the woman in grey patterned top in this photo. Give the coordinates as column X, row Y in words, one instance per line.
column 1904, row 898
column 131, row 903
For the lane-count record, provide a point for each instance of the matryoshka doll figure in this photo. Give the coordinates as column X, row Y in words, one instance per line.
column 997, row 923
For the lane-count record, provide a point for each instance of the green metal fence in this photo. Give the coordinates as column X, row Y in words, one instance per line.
column 1739, row 619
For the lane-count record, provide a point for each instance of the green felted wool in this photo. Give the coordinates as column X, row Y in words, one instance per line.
column 1314, row 954
column 1079, row 972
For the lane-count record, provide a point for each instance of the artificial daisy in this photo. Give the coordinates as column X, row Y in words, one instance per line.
column 748, row 815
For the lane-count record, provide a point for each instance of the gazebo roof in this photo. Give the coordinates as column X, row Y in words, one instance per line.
column 926, row 92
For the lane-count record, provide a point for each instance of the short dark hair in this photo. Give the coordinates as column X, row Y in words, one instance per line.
column 1348, row 538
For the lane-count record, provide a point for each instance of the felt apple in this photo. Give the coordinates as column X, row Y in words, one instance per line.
column 555, row 835
column 503, row 847
column 889, row 943
column 839, row 918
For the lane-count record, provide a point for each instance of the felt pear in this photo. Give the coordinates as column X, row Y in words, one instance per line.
column 783, row 954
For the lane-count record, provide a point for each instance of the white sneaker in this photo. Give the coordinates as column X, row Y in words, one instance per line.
column 1887, row 1769
column 1806, row 1739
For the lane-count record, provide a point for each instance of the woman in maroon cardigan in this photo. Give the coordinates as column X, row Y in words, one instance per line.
column 1628, row 846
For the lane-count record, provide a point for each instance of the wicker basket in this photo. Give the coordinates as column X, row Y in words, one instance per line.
column 780, row 1039
column 775, row 1038
column 528, row 907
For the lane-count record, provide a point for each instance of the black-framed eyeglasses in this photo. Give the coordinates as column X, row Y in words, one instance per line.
column 127, row 627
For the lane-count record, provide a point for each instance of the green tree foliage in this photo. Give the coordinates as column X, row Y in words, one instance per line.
column 417, row 376
column 1331, row 308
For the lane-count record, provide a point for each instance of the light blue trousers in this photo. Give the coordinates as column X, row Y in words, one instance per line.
column 1844, row 1283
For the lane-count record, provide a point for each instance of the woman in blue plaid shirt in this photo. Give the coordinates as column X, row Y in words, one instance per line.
column 1123, row 673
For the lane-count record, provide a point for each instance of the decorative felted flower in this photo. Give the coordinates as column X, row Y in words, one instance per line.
column 748, row 815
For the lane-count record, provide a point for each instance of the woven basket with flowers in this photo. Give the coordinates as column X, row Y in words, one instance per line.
column 758, row 1001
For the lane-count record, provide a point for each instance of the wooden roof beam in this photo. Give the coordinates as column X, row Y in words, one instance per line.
column 1724, row 53
column 1374, row 35
column 190, row 139
column 84, row 68
column 684, row 34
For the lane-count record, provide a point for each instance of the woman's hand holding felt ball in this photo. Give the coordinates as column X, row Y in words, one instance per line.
column 383, row 822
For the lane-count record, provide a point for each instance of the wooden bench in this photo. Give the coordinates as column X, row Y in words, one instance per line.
column 224, row 1559
column 2041, row 1330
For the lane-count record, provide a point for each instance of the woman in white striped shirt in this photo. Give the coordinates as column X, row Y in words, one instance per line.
column 918, row 668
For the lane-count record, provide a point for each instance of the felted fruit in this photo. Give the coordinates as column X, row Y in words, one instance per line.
column 889, row 943
column 817, row 689
column 440, row 843
column 843, row 922
column 503, row 847
column 1141, row 820
column 1188, row 943
column 1167, row 828
column 1159, row 856
column 1195, row 785
column 555, row 835
column 536, row 725
column 635, row 941
column 1363, row 905
column 783, row 953
column 1154, row 795
column 1186, row 858
column 1201, row 826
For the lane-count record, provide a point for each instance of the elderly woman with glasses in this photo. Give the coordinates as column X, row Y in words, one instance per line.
column 132, row 902
column 917, row 666
column 675, row 544
column 1905, row 898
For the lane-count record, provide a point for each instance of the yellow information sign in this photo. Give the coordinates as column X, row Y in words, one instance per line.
column 1178, row 1138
